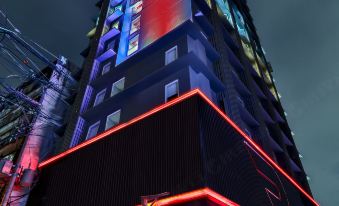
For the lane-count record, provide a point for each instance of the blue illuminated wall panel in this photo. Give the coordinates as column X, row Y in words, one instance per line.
column 146, row 21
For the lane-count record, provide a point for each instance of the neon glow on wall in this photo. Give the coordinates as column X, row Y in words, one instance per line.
column 155, row 19
column 179, row 99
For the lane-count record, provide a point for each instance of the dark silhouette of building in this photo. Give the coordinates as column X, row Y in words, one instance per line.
column 177, row 98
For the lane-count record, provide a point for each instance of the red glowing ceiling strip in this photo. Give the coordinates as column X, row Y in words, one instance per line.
column 196, row 195
column 169, row 104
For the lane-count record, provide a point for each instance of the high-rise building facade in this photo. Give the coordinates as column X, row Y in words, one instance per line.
column 177, row 106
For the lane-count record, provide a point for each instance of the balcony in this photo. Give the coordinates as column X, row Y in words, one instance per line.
column 240, row 86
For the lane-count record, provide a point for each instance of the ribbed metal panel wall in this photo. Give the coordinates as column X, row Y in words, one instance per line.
column 179, row 149
column 234, row 170
column 158, row 154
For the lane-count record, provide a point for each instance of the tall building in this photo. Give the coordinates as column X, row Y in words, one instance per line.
column 177, row 106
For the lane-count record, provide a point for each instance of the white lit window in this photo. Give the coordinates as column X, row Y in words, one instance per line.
column 113, row 119
column 135, row 25
column 118, row 86
column 93, row 130
column 171, row 55
column 133, row 45
column 106, row 68
column 172, row 90
column 137, row 7
column 100, row 97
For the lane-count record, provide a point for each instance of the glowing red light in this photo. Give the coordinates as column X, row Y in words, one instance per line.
column 196, row 195
column 169, row 104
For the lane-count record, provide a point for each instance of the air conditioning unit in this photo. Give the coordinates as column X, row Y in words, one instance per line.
column 5, row 168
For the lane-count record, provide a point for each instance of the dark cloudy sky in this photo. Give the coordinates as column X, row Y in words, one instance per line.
column 300, row 39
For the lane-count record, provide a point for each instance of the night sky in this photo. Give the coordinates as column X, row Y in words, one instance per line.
column 299, row 37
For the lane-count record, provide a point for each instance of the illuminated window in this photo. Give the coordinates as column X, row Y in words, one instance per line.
column 113, row 9
column 113, row 119
column 115, row 25
column 118, row 86
column 171, row 90
column 239, row 19
column 133, row 45
column 93, row 130
column 171, row 55
column 224, row 9
column 106, row 68
column 105, row 30
column 135, row 25
column 100, row 97
column 136, row 7
column 119, row 7
column 209, row 3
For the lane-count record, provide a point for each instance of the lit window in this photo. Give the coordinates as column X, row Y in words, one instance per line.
column 137, row 7
column 118, row 86
column 239, row 19
column 133, row 45
column 113, row 119
column 105, row 30
column 100, row 97
column 209, row 3
column 106, row 68
column 171, row 90
column 135, row 25
column 115, row 25
column 224, row 9
column 93, row 130
column 119, row 7
column 112, row 9
column 171, row 55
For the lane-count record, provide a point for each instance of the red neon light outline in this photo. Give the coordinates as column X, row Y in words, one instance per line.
column 196, row 195
column 268, row 191
column 169, row 104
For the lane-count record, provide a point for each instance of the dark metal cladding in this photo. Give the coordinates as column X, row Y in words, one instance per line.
column 182, row 148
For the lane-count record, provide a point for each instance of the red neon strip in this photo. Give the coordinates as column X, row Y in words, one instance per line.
column 196, row 195
column 119, row 127
column 257, row 147
column 169, row 104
